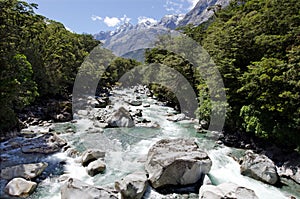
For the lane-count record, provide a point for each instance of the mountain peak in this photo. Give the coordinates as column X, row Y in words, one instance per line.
column 200, row 13
column 171, row 21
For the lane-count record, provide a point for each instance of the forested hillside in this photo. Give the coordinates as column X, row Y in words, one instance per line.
column 256, row 47
column 39, row 58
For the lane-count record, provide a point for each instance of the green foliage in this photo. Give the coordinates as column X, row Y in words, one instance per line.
column 38, row 57
column 272, row 87
column 116, row 69
column 255, row 45
column 167, row 77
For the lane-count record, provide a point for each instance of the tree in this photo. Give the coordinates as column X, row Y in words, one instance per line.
column 38, row 58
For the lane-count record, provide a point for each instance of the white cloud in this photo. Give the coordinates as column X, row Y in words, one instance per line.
column 111, row 21
column 192, row 3
column 174, row 6
column 143, row 19
column 95, row 18
column 180, row 6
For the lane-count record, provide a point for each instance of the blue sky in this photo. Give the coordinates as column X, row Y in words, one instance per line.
column 92, row 16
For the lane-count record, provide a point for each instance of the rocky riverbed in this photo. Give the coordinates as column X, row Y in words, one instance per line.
column 132, row 146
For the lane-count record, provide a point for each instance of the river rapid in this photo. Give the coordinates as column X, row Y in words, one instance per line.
column 126, row 151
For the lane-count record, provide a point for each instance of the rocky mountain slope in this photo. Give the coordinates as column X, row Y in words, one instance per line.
column 129, row 39
column 202, row 11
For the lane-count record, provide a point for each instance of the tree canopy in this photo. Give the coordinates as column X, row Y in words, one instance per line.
column 255, row 45
column 39, row 58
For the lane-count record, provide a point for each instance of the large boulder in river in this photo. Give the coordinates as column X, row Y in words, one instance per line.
column 27, row 171
column 91, row 155
column 74, row 188
column 46, row 144
column 132, row 186
column 96, row 167
column 120, row 118
column 176, row 163
column 226, row 190
column 259, row 167
column 20, row 187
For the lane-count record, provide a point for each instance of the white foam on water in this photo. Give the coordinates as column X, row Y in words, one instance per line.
column 225, row 169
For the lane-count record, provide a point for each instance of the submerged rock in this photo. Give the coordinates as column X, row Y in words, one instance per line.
column 121, row 118
column 132, row 186
column 27, row 171
column 20, row 187
column 226, row 190
column 259, row 167
column 47, row 143
column 73, row 189
column 135, row 102
column 176, row 163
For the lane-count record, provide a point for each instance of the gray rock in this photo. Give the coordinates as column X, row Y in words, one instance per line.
column 27, row 171
column 226, row 190
column 135, row 102
column 47, row 143
column 291, row 172
column 210, row 192
column 63, row 117
column 176, row 162
column 148, row 125
column 91, row 155
column 20, row 187
column 259, row 167
column 296, row 176
column 146, row 105
column 121, row 118
column 102, row 102
column 100, row 124
column 138, row 113
column 176, row 118
column 83, row 112
column 93, row 130
column 73, row 189
column 204, row 124
column 201, row 13
column 72, row 153
column 132, row 186
column 96, row 167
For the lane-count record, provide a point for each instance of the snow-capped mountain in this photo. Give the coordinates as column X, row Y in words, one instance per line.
column 129, row 38
column 105, row 35
column 171, row 21
column 168, row 21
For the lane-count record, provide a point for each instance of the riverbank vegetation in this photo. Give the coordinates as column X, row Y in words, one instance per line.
column 256, row 47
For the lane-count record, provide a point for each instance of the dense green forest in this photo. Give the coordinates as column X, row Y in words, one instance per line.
column 256, row 47
column 39, row 58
